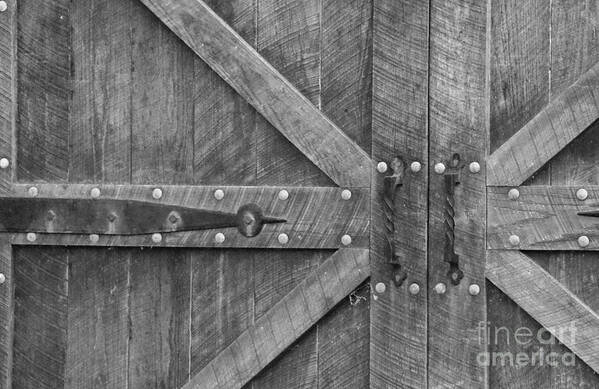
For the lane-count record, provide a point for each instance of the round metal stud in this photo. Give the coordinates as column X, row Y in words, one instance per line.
column 513, row 194
column 439, row 168
column 440, row 288
column 474, row 167
column 474, row 289
column 33, row 192
column 95, row 193
column 2, row 278
column 415, row 167
column 582, row 194
column 346, row 240
column 3, row 6
column 157, row 193
column 283, row 238
column 346, row 194
column 414, row 288
column 283, row 195
column 380, row 287
column 94, row 238
column 514, row 240
column 583, row 241
column 219, row 238
column 31, row 237
column 381, row 167
column 219, row 194
column 4, row 162
column 156, row 237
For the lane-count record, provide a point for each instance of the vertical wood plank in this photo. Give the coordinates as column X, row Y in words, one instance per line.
column 44, row 90
column 162, row 107
column 98, row 318
column 224, row 122
column 101, row 111
column 289, row 39
column 159, row 307
column 8, row 62
column 6, row 312
column 457, row 125
column 40, row 317
column 399, row 129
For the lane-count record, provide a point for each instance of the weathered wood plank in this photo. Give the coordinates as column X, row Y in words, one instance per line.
column 286, row 321
column 316, row 217
column 98, row 318
column 40, row 317
column 562, row 120
column 400, row 128
column 562, row 313
column 101, row 111
column 159, row 319
column 6, row 312
column 8, row 79
column 44, row 90
column 458, row 107
column 269, row 92
column 543, row 217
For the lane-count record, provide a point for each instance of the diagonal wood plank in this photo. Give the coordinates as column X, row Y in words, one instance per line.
column 285, row 322
column 562, row 313
column 266, row 90
column 543, row 217
column 562, row 120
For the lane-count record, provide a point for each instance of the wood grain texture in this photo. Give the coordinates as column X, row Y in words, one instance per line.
column 562, row 313
column 285, row 321
column 224, row 122
column 6, row 312
column 400, row 128
column 44, row 90
column 270, row 93
column 562, row 120
column 544, row 217
column 457, row 125
column 40, row 318
column 98, row 319
column 159, row 319
column 317, row 217
column 101, row 110
column 8, row 81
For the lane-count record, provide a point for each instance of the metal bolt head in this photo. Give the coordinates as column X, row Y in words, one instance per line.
column 414, row 288
column 219, row 194
column 513, row 194
column 3, row 6
column 283, row 238
column 156, row 237
column 440, row 288
column 514, row 240
column 380, row 287
column 582, row 194
column 94, row 238
column 439, row 168
column 583, row 241
column 474, row 289
column 346, row 240
column 157, row 193
column 31, row 237
column 219, row 238
column 33, row 192
column 346, row 194
column 283, row 195
column 4, row 162
column 381, row 167
column 95, row 193
column 2, row 278
column 415, row 167
column 474, row 167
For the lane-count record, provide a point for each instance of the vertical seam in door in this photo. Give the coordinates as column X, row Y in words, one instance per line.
column 190, row 260
column 428, row 152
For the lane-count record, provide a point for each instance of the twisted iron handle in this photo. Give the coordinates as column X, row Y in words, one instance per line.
column 391, row 184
